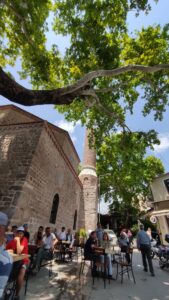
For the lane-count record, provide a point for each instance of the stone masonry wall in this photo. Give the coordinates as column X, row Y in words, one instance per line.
column 17, row 146
column 88, row 217
column 49, row 175
column 65, row 142
column 12, row 116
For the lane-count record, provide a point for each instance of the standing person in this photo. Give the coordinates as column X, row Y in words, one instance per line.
column 5, row 258
column 149, row 233
column 144, row 245
column 129, row 235
column 99, row 233
column 26, row 232
column 20, row 246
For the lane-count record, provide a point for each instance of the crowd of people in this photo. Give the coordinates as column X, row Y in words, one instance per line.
column 17, row 239
column 101, row 238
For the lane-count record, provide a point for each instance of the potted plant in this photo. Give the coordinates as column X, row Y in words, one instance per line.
column 82, row 236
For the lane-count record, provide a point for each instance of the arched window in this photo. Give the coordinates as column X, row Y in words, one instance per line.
column 54, row 209
column 75, row 220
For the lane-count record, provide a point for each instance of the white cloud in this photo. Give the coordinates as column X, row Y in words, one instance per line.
column 68, row 126
column 164, row 143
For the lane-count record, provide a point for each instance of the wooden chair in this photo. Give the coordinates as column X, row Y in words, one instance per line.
column 124, row 265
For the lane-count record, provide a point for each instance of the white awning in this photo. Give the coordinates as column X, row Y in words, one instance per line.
column 158, row 213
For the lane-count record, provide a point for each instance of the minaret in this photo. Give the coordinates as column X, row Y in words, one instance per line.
column 88, row 177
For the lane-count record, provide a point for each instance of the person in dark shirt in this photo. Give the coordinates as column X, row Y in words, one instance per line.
column 91, row 242
column 26, row 232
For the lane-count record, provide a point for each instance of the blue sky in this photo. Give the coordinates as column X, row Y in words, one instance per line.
column 158, row 15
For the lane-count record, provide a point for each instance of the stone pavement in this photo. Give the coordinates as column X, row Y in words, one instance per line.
column 65, row 284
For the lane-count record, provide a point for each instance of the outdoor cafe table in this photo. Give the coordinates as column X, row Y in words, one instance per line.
column 62, row 246
column 18, row 257
column 10, row 289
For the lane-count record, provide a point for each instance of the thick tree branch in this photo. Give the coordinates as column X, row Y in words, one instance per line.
column 14, row 92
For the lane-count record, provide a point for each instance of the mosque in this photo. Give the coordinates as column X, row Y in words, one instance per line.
column 39, row 180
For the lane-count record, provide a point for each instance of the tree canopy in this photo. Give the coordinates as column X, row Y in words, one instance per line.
column 129, row 172
column 103, row 72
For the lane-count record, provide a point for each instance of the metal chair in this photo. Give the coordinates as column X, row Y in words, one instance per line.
column 98, row 265
column 83, row 261
column 124, row 265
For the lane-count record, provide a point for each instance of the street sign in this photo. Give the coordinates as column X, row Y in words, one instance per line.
column 153, row 219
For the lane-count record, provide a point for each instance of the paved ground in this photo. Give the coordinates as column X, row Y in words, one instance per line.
column 65, row 284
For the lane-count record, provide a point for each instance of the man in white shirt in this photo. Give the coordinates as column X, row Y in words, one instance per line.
column 49, row 239
column 46, row 251
column 62, row 234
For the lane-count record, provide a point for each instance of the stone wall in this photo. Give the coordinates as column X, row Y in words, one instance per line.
column 65, row 142
column 16, row 152
column 49, row 174
column 35, row 165
column 11, row 115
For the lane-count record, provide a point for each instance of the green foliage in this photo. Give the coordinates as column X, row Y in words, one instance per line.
column 123, row 157
column 134, row 229
column 82, row 233
column 99, row 39
column 147, row 223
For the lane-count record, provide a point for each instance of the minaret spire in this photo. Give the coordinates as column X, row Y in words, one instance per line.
column 89, row 157
column 88, row 178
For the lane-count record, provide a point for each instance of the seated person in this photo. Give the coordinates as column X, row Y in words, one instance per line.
column 62, row 235
column 10, row 235
column 105, row 243
column 38, row 237
column 46, row 251
column 124, row 244
column 5, row 258
column 70, row 238
column 26, row 232
column 99, row 233
column 89, row 245
column 19, row 245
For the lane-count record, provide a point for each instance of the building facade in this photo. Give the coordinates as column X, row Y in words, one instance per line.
column 39, row 182
column 160, row 214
